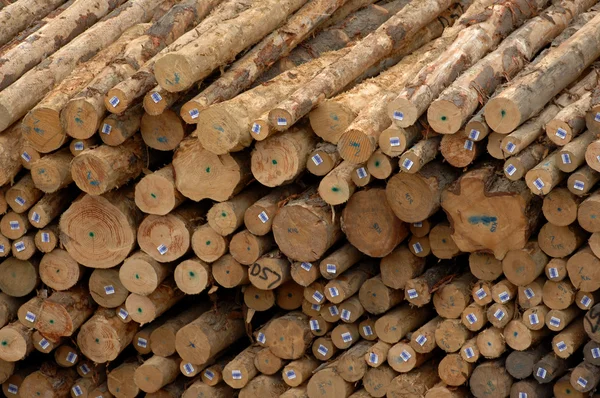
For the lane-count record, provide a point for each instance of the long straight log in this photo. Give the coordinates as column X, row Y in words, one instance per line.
column 16, row 17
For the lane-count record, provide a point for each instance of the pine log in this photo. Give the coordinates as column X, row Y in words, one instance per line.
column 290, row 296
column 520, row 364
column 376, row 297
column 163, row 132
column 191, row 157
column 63, row 313
column 376, row 382
column 549, row 368
column 50, row 206
column 144, row 309
column 297, row 372
column 585, row 377
column 475, row 196
column 520, row 337
column 485, row 266
column 395, row 324
column 415, row 197
column 586, row 300
column 557, row 320
column 403, row 358
column 23, row 194
column 560, row 241
column 59, row 271
column 509, row 109
column 490, row 379
column 459, row 150
column 211, row 333
column 99, row 170
column 156, row 193
column 443, row 391
column 569, row 122
column 279, row 43
column 198, row 388
column 141, row 274
column 47, row 239
column 100, row 245
column 451, row 299
column 322, row 159
column 531, row 388
column 15, row 342
column 10, row 156
column 106, row 288
column 469, row 351
column 394, row 140
column 33, row 85
column 119, row 379
column 454, row 371
column 50, row 380
column 156, row 372
column 116, row 129
column 414, row 383
column 456, row 103
column 400, row 266
column 18, row 278
column 563, row 388
column 418, row 291
column 387, row 38
column 570, row 339
column 380, row 165
column 531, row 294
column 225, row 127
column 523, row 266
column 14, row 225
column 583, row 180
column 560, row 207
column 57, row 33
column 78, row 146
column 14, row 18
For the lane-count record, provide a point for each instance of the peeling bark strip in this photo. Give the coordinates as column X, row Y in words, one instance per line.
column 143, row 80
column 375, row 47
column 278, row 44
column 529, row 94
column 60, row 31
column 17, row 99
column 179, row 70
column 16, row 17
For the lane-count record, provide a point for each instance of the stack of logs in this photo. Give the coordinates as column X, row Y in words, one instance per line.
column 299, row 198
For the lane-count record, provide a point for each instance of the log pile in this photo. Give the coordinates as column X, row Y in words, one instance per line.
column 299, row 198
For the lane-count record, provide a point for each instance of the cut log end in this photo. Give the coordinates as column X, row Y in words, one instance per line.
column 502, row 115
column 355, row 146
column 444, row 117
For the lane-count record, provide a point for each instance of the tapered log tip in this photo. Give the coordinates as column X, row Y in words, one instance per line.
column 335, row 191
column 502, row 115
column 402, row 112
column 173, row 72
column 444, row 117
column 355, row 146
column 261, row 130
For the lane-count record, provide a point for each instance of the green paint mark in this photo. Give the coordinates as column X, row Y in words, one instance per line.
column 97, row 340
column 78, row 120
column 137, row 276
column 503, row 113
column 559, row 208
column 515, row 334
column 290, row 295
column 51, row 321
column 207, row 243
column 14, row 275
column 162, row 139
column 489, row 343
column 444, row 118
column 153, row 195
column 248, row 248
column 274, row 161
column 223, row 214
column 4, row 343
column 335, row 189
column 91, row 234
column 281, row 338
column 57, row 271
column 192, row 274
column 377, row 163
column 334, row 116
column 568, row 391
column 227, row 272
column 256, row 296
column 208, row 169
column 41, row 171
column 140, row 310
column 219, row 128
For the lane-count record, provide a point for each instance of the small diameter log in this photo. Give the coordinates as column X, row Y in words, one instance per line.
column 50, row 380
column 10, row 159
column 198, row 388
column 47, row 239
column 560, row 207
column 377, row 354
column 289, row 336
column 197, row 170
column 451, row 299
column 18, row 278
column 586, row 300
column 459, row 150
column 490, row 379
column 474, row 317
column 418, row 291
column 306, row 227
column 53, row 171
column 361, row 176
column 156, row 193
column 29, row 311
column 50, row 206
column 192, row 276
column 104, row 336
column 323, row 159
column 28, row 155
column 9, row 307
column 414, row 383
column 156, row 372
column 328, row 383
column 15, row 342
column 482, row 293
column 297, row 372
column 476, row 197
column 208, row 335
column 13, row 378
column 400, row 266
column 120, row 380
column 101, row 169
column 381, row 165
column 226, row 217
column 583, row 180
column 423, row 152
column 454, row 371
column 394, row 140
column 558, row 295
column 345, row 335
column 422, row 340
column 532, row 388
column 546, row 175
column 569, row 122
column 442, row 391
column 585, row 377
column 162, row 341
column 339, row 261
column 532, row 294
column 258, row 299
column 78, row 146
column 366, row 328
column 338, row 186
column 351, row 309
column 376, row 382
column 304, row 273
column 349, row 283
column 573, row 154
column 43, row 345
column 63, row 313
column 556, row 269
column 500, row 315
column 420, row 247
column 351, row 365
column 377, row 298
column 402, row 358
column 586, row 213
column 163, row 132
column 24, row 248
column 520, row 364
column 207, row 244
column 270, row 271
column 84, row 386
column 141, row 340
column 280, row 159
column 557, row 320
column 106, row 288
column 535, row 318
column 5, row 247
column 523, row 266
column 168, row 238
column 485, row 266
column 519, row 337
column 451, row 335
column 570, row 339
column 494, row 147
column 415, row 197
column 440, row 240
column 525, row 135
column 258, row 218
column 100, row 245
column 116, row 129
column 247, row 248
column 59, row 271
column 582, row 268
column 141, row 274
column 24, row 194
column 144, row 309
column 395, row 324
column 323, row 348
column 314, row 293
column 264, row 386
column 469, row 351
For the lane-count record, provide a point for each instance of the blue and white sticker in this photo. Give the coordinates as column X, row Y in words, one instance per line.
column 261, row 338
column 597, row 117
column 346, row 337
column 554, row 322
column 529, row 293
column 582, row 382
column 45, row 237
column 510, row 169
column 333, row 291
column 504, row 297
column 189, row 369
column 290, row 374
column 566, row 158
column 322, row 350
column 579, row 185
column 346, row 314
column 20, row 246
column 539, row 184
column 162, row 249
column 194, row 113
column 361, row 172
column 421, row 340
column 585, row 301
column 114, row 101
column 534, row 319
column 561, row 133
column 236, row 375
column 71, row 357
column 541, row 372
column 412, row 293
column 471, row 318
column 373, row 358
column 561, row 345
column 333, row 310
column 14, row 225
column 108, row 290
column 367, row 330
column 394, row 141
column 106, row 128
column 417, row 247
column 44, row 343
column 318, row 296
column 84, row 369
column 405, row 355
column 407, row 164
column 522, row 395
column 13, row 389
column 331, row 268
column 417, row 224
column 207, row 373
column 30, row 317
column 553, row 272
column 510, row 147
column 123, row 314
column 281, row 121
column 256, row 128
column 469, row 353
column 468, row 145
column 314, row 325
column 596, row 353
column 77, row 390
column 142, row 342
column 156, row 97
column 26, row 157
column 35, row 217
column 263, row 217
column 481, row 294
column 316, row 307
column 317, row 160
column 398, row 115
column 499, row 314
column 474, row 134
column 78, row 146
column 20, row 201
column 2, row 249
